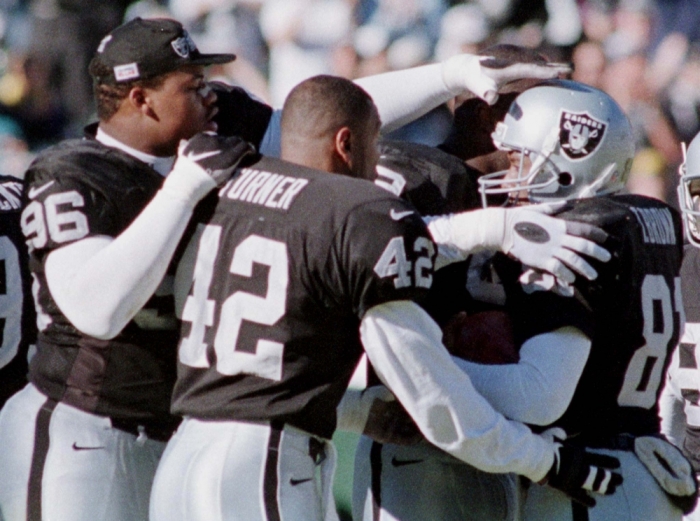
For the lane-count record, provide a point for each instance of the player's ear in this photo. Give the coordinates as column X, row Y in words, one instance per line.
column 343, row 144
column 139, row 100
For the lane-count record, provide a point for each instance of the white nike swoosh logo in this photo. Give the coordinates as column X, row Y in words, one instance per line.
column 203, row 155
column 399, row 215
column 33, row 192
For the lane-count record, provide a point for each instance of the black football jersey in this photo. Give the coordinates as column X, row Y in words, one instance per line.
column 434, row 181
column 17, row 317
column 75, row 190
column 632, row 312
column 272, row 287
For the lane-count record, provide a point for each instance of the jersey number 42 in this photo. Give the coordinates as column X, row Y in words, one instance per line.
column 199, row 309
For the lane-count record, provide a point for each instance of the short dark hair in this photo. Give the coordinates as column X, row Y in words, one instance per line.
column 109, row 96
column 323, row 104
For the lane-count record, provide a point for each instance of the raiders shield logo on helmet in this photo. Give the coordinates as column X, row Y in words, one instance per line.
column 579, row 134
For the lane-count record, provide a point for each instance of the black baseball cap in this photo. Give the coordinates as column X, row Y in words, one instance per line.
column 144, row 48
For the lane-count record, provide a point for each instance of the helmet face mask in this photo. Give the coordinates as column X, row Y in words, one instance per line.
column 578, row 141
column 534, row 171
column 689, row 191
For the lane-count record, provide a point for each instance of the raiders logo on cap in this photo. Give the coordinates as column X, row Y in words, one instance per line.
column 183, row 45
column 580, row 134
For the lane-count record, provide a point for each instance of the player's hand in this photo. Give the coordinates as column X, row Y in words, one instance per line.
column 484, row 75
column 204, row 162
column 551, row 244
column 388, row 422
column 216, row 155
column 576, row 472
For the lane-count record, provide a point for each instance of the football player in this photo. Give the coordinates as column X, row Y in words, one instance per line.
column 400, row 481
column 290, row 274
column 101, row 380
column 593, row 353
column 82, row 440
column 17, row 316
column 437, row 181
column 680, row 416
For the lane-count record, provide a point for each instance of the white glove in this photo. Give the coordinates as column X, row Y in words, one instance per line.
column 527, row 233
column 553, row 245
column 204, row 162
column 484, row 75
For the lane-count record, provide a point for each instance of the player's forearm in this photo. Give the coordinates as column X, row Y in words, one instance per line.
column 100, row 283
column 400, row 97
column 539, row 388
column 405, row 95
column 460, row 235
column 404, row 345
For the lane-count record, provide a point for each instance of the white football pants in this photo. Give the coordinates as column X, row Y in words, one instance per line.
column 59, row 463
column 235, row 471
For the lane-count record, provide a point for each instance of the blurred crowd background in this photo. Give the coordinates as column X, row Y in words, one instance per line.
column 645, row 53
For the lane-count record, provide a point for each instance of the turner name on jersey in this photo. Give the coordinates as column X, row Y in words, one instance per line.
column 265, row 289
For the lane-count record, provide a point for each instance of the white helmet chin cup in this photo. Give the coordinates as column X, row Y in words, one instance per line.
column 578, row 139
column 689, row 191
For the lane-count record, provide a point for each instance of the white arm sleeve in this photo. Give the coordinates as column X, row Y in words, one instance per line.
column 100, row 283
column 404, row 346
column 462, row 234
column 405, row 95
column 538, row 389
column 400, row 97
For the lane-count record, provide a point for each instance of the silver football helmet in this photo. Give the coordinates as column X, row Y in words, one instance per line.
column 577, row 138
column 689, row 191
